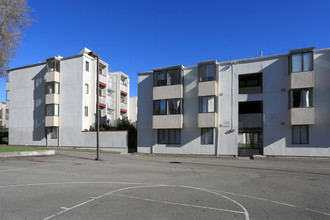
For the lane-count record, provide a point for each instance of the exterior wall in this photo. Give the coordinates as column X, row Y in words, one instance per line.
column 2, row 114
column 132, row 116
column 275, row 119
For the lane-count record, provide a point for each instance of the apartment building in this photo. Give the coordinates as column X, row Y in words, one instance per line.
column 53, row 103
column 271, row 105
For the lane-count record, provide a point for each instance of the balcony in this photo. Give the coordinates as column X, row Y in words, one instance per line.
column 167, row 121
column 102, row 80
column 207, row 120
column 51, row 121
column 53, row 98
column 302, row 116
column 301, row 80
column 168, row 92
column 102, row 101
column 123, row 107
column 253, row 120
column 124, row 88
column 52, row 76
column 208, row 88
column 111, row 105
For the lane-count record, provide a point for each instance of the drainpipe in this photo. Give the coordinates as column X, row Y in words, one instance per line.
column 93, row 54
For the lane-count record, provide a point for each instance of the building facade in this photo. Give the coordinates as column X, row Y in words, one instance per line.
column 272, row 105
column 3, row 114
column 54, row 103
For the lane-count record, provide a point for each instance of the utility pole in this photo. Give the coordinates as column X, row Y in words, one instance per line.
column 93, row 54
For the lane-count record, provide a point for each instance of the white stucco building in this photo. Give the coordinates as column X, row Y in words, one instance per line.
column 272, row 105
column 54, row 103
column 3, row 113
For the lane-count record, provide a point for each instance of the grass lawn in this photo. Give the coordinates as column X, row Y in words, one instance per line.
column 14, row 149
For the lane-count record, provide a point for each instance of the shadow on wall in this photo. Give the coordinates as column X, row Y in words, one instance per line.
column 39, row 105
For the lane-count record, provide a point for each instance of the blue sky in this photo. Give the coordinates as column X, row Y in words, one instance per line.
column 137, row 36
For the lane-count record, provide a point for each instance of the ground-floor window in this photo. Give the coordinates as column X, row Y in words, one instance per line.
column 169, row 136
column 207, row 136
column 300, row 134
column 53, row 131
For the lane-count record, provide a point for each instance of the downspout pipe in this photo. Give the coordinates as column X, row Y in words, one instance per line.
column 94, row 54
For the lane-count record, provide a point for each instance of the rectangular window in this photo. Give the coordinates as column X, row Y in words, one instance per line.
column 207, row 136
column 301, row 62
column 301, row 98
column 7, row 114
column 52, row 110
column 53, row 131
column 167, row 77
column 206, row 104
column 206, row 72
column 7, row 95
column 167, row 107
column 86, row 111
column 86, row 88
column 52, row 87
column 169, row 136
column 53, row 65
column 87, row 66
column 300, row 134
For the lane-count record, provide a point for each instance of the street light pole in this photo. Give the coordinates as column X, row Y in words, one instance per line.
column 93, row 54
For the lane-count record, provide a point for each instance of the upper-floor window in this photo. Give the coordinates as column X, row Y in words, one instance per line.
column 86, row 111
column 87, row 66
column 301, row 98
column 52, row 110
column 206, row 104
column 206, row 72
column 301, row 62
column 7, row 95
column 52, row 87
column 53, row 65
column 167, row 77
column 168, row 107
column 86, row 88
column 7, row 114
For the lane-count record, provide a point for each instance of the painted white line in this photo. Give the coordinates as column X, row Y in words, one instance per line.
column 25, row 168
column 64, row 208
column 150, row 186
column 272, row 201
column 179, row 204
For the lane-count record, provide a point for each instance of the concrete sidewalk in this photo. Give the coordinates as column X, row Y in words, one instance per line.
column 27, row 153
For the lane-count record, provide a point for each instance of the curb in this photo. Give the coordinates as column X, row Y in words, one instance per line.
column 28, row 153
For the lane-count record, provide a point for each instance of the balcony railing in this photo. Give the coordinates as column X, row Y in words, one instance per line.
column 111, row 105
column 123, row 106
column 102, row 100
column 102, row 79
column 123, row 88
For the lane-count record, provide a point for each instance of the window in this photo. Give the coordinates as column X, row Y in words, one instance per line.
column 301, row 98
column 250, row 83
column 167, row 107
column 52, row 110
column 53, row 131
column 7, row 95
column 86, row 88
column 53, row 65
column 7, row 114
column 169, row 136
column 207, row 136
column 300, row 134
column 87, row 66
column 206, row 72
column 206, row 104
column 52, row 87
column 167, row 77
column 301, row 62
column 86, row 111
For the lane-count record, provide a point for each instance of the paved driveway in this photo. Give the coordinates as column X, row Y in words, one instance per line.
column 71, row 185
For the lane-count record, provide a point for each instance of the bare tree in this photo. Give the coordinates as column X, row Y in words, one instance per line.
column 14, row 18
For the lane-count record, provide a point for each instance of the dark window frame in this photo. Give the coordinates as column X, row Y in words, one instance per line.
column 167, row 108
column 206, row 66
column 302, row 67
column 202, row 135
column 87, row 66
column 291, row 98
column 300, row 142
column 207, row 111
column 54, row 113
column 168, row 141
column 178, row 79
column 54, row 87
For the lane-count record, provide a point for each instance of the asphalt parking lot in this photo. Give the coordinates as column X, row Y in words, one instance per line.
column 72, row 185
